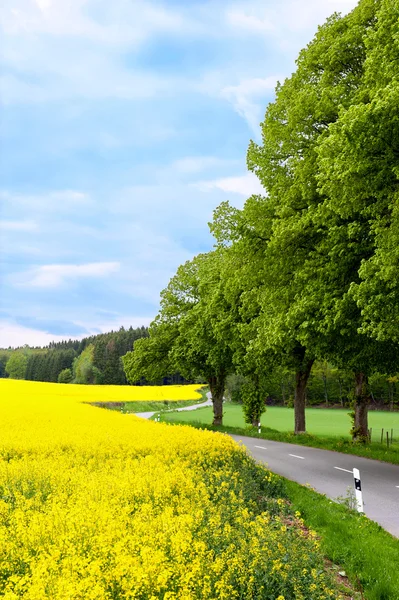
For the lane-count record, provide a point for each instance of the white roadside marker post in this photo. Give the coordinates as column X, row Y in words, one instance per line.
column 358, row 490
column 259, row 427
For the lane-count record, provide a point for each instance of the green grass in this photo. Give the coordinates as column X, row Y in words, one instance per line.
column 319, row 421
column 328, row 428
column 368, row 554
column 155, row 406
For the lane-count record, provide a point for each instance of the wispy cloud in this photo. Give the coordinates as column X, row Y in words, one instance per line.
column 76, row 49
column 126, row 123
column 249, row 98
column 18, row 226
column 49, row 201
column 244, row 185
column 54, row 276
column 257, row 17
column 15, row 335
column 196, row 164
column 248, row 21
column 113, row 23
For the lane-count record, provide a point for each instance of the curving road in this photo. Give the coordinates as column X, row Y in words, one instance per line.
column 331, row 473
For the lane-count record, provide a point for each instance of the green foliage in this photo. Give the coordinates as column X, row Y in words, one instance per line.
column 192, row 332
column 253, row 402
column 84, row 370
column 65, row 376
column 45, row 364
column 149, row 360
column 4, row 356
column 328, row 163
column 234, row 387
column 16, row 365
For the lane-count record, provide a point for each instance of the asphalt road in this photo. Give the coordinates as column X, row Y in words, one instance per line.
column 327, row 472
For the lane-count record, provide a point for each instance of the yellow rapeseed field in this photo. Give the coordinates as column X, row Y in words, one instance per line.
column 96, row 505
column 102, row 393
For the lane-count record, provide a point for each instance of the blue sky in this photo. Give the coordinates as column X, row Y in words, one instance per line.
column 124, row 124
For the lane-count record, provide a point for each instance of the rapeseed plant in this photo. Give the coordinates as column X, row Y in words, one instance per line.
column 95, row 505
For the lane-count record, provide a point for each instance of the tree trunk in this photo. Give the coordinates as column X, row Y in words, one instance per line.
column 216, row 385
column 360, row 424
column 301, row 380
column 340, row 392
column 325, row 389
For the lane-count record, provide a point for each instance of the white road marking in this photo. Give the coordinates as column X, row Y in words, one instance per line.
column 339, row 469
column 261, row 447
column 397, row 486
column 295, row 456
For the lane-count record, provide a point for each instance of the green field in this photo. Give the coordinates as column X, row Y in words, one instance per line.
column 319, row 421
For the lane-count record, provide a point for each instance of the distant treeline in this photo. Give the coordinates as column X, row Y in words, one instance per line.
column 327, row 386
column 95, row 359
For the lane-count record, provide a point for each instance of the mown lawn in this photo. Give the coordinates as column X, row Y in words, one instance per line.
column 319, row 421
column 327, row 428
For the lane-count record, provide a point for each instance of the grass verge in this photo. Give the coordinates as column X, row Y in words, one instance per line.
column 374, row 450
column 148, row 406
column 368, row 554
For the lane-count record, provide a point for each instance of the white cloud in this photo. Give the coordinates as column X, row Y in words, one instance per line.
column 57, row 200
column 54, row 276
column 71, row 49
column 18, row 226
column 196, row 164
column 240, row 19
column 14, row 335
column 248, row 98
column 245, row 185
column 120, row 23
column 287, row 16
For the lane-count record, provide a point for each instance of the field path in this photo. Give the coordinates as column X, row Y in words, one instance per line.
column 148, row 415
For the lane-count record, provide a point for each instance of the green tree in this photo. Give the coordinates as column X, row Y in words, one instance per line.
column 365, row 145
column 4, row 356
column 16, row 365
column 150, row 361
column 188, row 334
column 328, row 76
column 112, row 373
column 357, row 179
column 65, row 376
column 84, row 370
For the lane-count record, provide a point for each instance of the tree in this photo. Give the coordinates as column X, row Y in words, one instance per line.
column 16, row 365
column 112, row 373
column 4, row 356
column 260, row 287
column 150, row 360
column 188, row 334
column 367, row 155
column 83, row 368
column 328, row 77
column 65, row 376
column 357, row 178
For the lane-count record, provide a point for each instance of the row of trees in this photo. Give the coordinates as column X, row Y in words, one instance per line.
column 327, row 387
column 309, row 270
column 95, row 359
